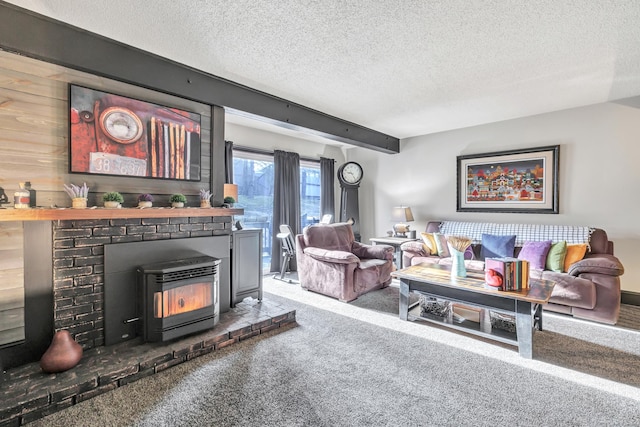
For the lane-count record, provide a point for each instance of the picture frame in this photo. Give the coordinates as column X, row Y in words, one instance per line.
column 112, row 134
column 514, row 181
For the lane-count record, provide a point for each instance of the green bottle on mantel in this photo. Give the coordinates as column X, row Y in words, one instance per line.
column 32, row 194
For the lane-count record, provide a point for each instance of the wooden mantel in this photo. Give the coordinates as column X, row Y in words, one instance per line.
column 54, row 214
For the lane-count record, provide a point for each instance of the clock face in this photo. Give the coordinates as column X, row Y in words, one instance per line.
column 351, row 173
column 121, row 125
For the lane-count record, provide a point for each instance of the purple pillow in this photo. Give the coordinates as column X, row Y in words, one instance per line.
column 494, row 246
column 535, row 253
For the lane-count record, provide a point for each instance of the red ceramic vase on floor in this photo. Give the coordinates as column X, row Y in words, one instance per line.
column 63, row 353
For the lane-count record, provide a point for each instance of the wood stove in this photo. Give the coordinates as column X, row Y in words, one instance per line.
column 179, row 297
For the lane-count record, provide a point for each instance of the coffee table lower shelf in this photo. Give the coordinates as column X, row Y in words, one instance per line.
column 436, row 282
column 482, row 328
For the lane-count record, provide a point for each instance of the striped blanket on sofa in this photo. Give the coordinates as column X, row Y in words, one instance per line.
column 523, row 232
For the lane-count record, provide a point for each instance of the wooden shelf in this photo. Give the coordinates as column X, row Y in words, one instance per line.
column 47, row 214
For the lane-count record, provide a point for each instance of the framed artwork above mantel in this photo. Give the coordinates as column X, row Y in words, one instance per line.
column 515, row 181
column 112, row 134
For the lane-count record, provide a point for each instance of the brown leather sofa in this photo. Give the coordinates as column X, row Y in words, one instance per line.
column 331, row 262
column 590, row 289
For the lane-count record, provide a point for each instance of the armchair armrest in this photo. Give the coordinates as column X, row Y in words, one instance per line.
column 362, row 250
column 599, row 264
column 417, row 248
column 335, row 257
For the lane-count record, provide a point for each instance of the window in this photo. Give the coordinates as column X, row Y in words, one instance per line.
column 309, row 193
column 253, row 172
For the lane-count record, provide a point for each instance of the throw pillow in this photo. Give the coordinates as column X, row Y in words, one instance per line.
column 574, row 254
column 416, row 246
column 556, row 255
column 441, row 244
column 430, row 243
column 494, row 246
column 535, row 253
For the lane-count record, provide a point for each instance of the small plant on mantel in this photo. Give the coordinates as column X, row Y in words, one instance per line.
column 205, row 198
column 78, row 195
column 145, row 200
column 178, row 200
column 229, row 201
column 112, row 199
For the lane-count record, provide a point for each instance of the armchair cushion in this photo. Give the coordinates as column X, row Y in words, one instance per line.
column 337, row 257
column 372, row 251
column 329, row 236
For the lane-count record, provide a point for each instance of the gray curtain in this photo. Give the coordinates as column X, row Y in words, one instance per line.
column 228, row 162
column 286, row 201
column 327, row 187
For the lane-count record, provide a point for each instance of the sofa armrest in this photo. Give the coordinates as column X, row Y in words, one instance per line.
column 365, row 251
column 605, row 264
column 335, row 257
column 417, row 248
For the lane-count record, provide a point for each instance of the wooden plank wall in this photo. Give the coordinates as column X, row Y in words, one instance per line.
column 34, row 147
column 11, row 283
column 34, row 133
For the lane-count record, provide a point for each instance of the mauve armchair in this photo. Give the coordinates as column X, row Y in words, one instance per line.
column 333, row 263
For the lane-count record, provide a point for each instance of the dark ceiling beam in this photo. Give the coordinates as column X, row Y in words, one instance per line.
column 37, row 36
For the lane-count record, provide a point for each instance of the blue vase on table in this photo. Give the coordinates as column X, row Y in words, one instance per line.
column 458, row 268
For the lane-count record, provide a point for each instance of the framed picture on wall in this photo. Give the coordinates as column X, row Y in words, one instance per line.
column 524, row 181
column 111, row 134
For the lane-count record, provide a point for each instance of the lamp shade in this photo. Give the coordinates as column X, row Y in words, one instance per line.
column 402, row 214
column 231, row 190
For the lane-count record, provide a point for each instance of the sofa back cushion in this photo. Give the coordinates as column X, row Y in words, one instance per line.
column 334, row 237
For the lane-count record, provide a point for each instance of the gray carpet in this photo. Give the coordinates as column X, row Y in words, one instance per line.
column 358, row 365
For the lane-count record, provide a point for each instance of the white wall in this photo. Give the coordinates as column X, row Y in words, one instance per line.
column 266, row 140
column 599, row 175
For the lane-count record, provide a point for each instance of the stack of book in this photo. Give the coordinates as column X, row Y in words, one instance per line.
column 507, row 274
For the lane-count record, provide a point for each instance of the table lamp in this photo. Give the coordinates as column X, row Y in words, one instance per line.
column 401, row 215
column 231, row 190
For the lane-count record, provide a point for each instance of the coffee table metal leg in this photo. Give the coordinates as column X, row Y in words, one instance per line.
column 524, row 329
column 537, row 316
column 403, row 308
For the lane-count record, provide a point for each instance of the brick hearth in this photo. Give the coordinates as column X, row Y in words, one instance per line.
column 27, row 394
column 78, row 262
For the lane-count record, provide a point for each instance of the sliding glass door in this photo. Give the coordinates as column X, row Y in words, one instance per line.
column 253, row 173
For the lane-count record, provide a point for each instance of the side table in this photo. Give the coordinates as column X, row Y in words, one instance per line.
column 395, row 242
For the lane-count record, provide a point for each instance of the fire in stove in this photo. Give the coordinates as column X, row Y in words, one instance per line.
column 179, row 297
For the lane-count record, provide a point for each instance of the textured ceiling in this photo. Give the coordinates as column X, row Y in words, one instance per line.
column 401, row 67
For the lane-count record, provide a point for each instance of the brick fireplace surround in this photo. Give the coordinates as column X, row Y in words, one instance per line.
column 27, row 394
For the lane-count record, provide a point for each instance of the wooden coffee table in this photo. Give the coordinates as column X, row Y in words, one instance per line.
column 435, row 281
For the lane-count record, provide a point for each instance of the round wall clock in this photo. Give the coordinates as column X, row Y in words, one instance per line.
column 350, row 173
column 121, row 125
